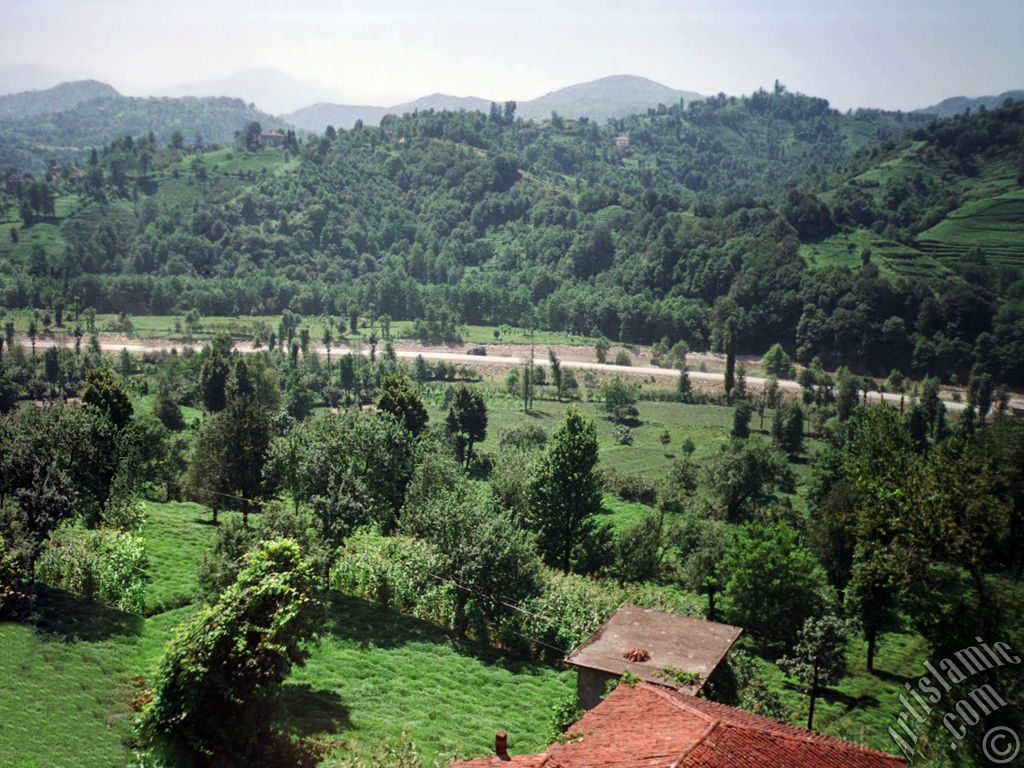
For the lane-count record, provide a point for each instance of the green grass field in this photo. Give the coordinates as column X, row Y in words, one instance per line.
column 66, row 677
column 862, row 706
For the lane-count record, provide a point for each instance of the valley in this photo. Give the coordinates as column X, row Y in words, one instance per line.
column 622, row 424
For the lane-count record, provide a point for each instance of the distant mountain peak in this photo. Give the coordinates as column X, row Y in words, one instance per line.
column 59, row 97
column 957, row 105
column 269, row 89
column 601, row 100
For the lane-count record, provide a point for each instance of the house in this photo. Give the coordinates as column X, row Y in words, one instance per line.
column 272, row 139
column 621, row 142
column 648, row 726
column 667, row 649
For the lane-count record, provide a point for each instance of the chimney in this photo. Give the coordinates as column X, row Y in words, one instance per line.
column 501, row 745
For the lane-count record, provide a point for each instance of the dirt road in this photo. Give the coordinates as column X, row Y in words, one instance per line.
column 411, row 352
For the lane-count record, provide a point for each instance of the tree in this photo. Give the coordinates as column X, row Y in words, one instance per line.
column 56, row 464
column 492, row 561
column 640, row 548
column 327, row 338
column 397, row 397
column 565, row 491
column 106, row 392
column 619, row 400
column 230, row 453
column 467, row 420
column 421, row 373
column 979, row 394
column 928, row 416
column 299, row 399
column 215, row 693
column 788, row 427
column 741, row 419
column 773, row 584
column 730, row 364
column 777, row 363
column 349, row 469
column 601, row 347
column 166, row 407
column 33, row 333
column 819, row 656
column 703, row 548
column 214, row 376
column 744, row 476
column 872, row 595
column 847, row 393
column 770, row 398
column 683, row 386
column 251, row 136
column 556, row 372
column 740, row 390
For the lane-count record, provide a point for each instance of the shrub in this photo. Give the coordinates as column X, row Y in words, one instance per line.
column 639, row 550
column 622, row 358
column 100, row 564
column 396, row 571
column 630, row 487
column 623, row 435
column 15, row 599
column 402, row 572
column 523, row 437
column 564, row 713
column 572, row 607
column 620, row 400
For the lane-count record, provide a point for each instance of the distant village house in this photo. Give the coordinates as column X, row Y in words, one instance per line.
column 272, row 139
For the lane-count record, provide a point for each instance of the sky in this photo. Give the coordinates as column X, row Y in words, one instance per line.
column 891, row 54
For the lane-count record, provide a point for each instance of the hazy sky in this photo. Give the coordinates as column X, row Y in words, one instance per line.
column 885, row 53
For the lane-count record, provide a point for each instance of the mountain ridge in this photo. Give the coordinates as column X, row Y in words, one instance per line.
column 957, row 105
column 271, row 90
column 63, row 96
column 600, row 100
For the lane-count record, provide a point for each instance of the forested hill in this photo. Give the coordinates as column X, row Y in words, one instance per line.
column 957, row 105
column 773, row 218
column 65, row 122
column 60, row 97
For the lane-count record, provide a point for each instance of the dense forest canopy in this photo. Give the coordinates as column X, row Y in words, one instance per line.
column 773, row 218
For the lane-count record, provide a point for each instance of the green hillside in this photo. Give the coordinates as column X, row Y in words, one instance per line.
column 770, row 214
column 65, row 122
column 993, row 225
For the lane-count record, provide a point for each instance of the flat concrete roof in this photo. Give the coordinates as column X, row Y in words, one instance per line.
column 674, row 642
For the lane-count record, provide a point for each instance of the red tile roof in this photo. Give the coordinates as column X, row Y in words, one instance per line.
column 647, row 726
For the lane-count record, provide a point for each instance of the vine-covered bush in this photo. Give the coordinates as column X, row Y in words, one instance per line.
column 100, row 564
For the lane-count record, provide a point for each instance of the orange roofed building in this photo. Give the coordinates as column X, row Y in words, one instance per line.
column 647, row 726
